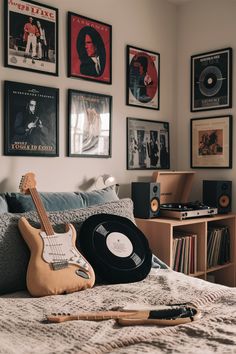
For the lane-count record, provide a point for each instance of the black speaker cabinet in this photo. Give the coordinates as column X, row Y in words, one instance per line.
column 146, row 199
column 218, row 194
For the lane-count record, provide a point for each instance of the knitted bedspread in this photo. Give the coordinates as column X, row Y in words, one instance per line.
column 23, row 329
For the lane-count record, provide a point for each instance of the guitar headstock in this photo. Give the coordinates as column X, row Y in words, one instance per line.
column 61, row 317
column 27, row 182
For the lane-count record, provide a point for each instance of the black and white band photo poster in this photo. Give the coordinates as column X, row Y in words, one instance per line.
column 31, row 36
column 211, row 80
column 147, row 144
column 31, row 120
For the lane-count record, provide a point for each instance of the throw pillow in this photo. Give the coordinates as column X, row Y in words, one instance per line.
column 3, row 204
column 116, row 248
column 52, row 201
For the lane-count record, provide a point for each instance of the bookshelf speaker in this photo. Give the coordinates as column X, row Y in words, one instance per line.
column 218, row 194
column 146, row 199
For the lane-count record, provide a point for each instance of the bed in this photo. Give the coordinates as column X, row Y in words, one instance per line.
column 24, row 328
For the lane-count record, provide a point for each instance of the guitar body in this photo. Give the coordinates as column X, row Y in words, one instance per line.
column 55, row 266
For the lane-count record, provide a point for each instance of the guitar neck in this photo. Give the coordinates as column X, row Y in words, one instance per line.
column 97, row 316
column 45, row 223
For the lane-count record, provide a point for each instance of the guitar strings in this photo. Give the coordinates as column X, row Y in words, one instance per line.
column 52, row 242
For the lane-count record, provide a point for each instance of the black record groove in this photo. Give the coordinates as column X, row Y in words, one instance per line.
column 116, row 249
column 210, row 81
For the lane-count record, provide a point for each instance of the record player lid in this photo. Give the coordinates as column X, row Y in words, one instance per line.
column 175, row 186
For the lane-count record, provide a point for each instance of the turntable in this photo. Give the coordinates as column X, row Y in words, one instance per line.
column 186, row 210
column 175, row 187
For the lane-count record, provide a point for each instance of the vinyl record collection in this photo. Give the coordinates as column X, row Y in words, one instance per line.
column 184, row 252
column 218, row 246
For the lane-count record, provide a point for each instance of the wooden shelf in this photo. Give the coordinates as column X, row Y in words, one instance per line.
column 160, row 232
column 213, row 269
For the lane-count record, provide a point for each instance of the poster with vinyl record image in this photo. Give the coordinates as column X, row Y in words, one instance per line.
column 211, row 80
column 143, row 78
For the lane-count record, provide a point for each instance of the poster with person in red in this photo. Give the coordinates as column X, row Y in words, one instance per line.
column 89, row 49
column 31, row 36
column 143, row 78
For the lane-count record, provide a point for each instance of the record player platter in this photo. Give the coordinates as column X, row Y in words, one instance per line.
column 186, row 210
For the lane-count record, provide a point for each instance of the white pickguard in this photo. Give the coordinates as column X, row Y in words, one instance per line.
column 58, row 248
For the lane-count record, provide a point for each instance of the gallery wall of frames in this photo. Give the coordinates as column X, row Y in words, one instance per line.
column 31, row 112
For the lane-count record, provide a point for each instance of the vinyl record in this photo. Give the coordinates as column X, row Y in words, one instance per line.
column 116, row 249
column 210, row 81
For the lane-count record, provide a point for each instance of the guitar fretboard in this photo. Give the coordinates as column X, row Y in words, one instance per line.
column 96, row 316
column 45, row 223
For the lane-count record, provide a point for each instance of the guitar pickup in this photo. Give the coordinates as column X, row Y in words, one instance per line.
column 59, row 265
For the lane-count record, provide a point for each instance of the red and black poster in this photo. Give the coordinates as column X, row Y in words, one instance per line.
column 89, row 54
column 143, row 78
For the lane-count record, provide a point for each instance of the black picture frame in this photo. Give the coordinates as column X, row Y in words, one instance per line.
column 31, row 46
column 211, row 80
column 93, row 63
column 89, row 124
column 211, row 142
column 142, row 78
column 148, row 146
column 31, row 120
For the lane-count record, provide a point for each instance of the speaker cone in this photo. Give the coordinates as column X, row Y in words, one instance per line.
column 224, row 201
column 154, row 205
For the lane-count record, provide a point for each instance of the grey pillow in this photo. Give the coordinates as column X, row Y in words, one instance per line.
column 14, row 253
column 52, row 201
column 3, row 204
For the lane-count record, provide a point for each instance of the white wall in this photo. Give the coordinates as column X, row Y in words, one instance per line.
column 149, row 24
column 203, row 25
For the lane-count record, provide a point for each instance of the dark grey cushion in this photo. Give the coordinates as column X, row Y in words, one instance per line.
column 14, row 253
column 3, row 204
column 20, row 203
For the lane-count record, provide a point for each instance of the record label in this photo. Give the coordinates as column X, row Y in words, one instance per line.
column 119, row 244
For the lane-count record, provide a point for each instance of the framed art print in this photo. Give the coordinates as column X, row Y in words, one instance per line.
column 211, row 142
column 31, row 120
column 89, row 117
column 89, row 52
column 147, row 144
column 31, row 36
column 143, row 78
column 211, row 80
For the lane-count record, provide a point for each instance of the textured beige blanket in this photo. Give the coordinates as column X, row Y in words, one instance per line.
column 22, row 330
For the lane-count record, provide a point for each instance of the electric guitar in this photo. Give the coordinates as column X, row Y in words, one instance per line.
column 55, row 265
column 159, row 315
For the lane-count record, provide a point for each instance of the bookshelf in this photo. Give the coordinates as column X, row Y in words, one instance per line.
column 160, row 234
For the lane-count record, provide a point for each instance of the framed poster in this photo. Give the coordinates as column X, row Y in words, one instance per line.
column 211, row 80
column 31, row 36
column 147, row 144
column 31, row 120
column 89, row 116
column 211, row 142
column 89, row 52
column 143, row 78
